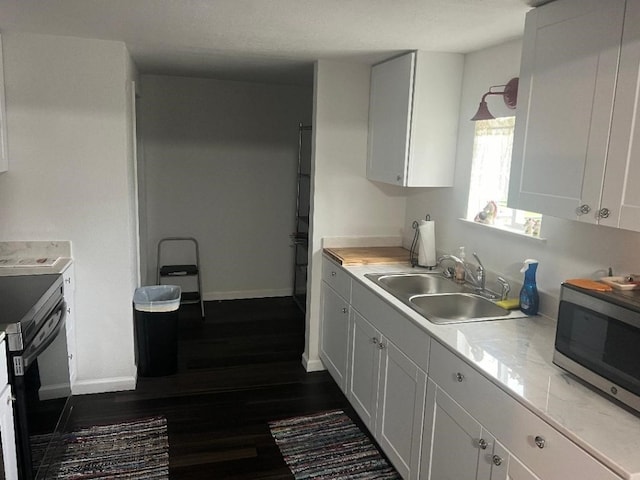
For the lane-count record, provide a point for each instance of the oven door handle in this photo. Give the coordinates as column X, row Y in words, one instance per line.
column 45, row 336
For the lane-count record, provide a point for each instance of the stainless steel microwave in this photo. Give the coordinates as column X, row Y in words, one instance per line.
column 598, row 340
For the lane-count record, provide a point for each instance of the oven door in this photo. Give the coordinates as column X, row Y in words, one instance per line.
column 42, row 389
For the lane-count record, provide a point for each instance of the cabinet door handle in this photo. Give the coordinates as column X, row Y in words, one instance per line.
column 604, row 213
column 382, row 346
column 482, row 443
column 68, row 279
column 540, row 441
column 399, row 178
column 333, row 274
column 374, row 340
column 459, row 377
column 345, row 310
column 583, row 209
column 497, row 460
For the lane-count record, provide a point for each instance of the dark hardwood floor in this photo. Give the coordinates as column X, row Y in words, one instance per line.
column 238, row 369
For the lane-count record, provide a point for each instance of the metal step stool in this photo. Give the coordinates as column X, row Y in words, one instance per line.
column 189, row 270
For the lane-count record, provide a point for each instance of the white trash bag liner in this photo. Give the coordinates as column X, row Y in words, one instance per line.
column 157, row 298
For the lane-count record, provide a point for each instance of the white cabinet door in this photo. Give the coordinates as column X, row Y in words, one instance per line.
column 365, row 365
column 505, row 466
column 7, row 430
column 69, row 287
column 565, row 106
column 413, row 119
column 621, row 195
column 334, row 334
column 400, row 409
column 451, row 440
column 389, row 119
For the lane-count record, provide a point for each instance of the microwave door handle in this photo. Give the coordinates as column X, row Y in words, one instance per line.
column 38, row 346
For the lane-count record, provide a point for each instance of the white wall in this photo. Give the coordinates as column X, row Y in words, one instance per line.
column 220, row 165
column 70, row 178
column 571, row 249
column 344, row 202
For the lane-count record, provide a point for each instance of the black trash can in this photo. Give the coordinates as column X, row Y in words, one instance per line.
column 156, row 329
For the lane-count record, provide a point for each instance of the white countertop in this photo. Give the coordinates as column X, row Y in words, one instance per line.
column 59, row 266
column 34, row 257
column 516, row 355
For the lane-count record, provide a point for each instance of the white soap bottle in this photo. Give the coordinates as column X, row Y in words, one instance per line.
column 459, row 269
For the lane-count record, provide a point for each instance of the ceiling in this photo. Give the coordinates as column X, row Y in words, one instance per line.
column 270, row 40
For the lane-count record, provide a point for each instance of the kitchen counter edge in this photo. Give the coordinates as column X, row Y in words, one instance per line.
column 524, row 347
column 59, row 266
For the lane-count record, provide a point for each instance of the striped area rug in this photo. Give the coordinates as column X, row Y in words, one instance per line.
column 329, row 446
column 134, row 450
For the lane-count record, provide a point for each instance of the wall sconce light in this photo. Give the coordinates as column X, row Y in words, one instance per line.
column 509, row 93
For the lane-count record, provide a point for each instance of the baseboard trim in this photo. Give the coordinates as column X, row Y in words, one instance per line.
column 315, row 365
column 102, row 385
column 243, row 294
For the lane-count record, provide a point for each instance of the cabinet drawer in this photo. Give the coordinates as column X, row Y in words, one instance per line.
column 519, row 429
column 460, row 380
column 413, row 341
column 4, row 374
column 337, row 278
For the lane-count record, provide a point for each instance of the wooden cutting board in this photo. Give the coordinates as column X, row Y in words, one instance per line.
column 589, row 284
column 368, row 255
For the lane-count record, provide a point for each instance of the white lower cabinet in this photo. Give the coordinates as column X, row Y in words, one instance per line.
column 335, row 295
column 401, row 396
column 454, row 424
column 365, row 366
column 505, row 466
column 387, row 390
column 540, row 449
column 7, row 431
column 334, row 334
column 456, row 446
column 7, row 428
column 69, row 287
column 451, row 435
column 453, row 439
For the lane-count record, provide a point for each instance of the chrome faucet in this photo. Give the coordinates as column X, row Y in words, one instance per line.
column 477, row 278
column 481, row 274
column 506, row 288
column 471, row 276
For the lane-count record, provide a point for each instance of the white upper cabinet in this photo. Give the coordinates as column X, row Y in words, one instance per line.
column 566, row 95
column 621, row 195
column 413, row 119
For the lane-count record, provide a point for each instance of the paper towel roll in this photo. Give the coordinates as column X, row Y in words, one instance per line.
column 427, row 244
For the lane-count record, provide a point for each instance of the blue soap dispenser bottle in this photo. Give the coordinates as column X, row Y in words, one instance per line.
column 529, row 299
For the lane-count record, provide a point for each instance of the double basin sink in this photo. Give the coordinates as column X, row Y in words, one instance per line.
column 441, row 300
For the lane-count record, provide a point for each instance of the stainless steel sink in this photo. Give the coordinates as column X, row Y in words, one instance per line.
column 414, row 284
column 457, row 307
column 441, row 300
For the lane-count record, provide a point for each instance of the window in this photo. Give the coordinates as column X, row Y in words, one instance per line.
column 489, row 184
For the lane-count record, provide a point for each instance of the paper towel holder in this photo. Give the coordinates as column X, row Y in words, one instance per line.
column 413, row 252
